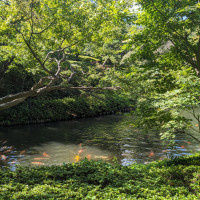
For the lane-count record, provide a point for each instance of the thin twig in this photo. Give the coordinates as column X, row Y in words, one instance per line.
column 45, row 28
column 193, row 137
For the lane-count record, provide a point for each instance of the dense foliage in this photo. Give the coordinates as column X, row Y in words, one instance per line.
column 169, row 179
column 40, row 35
column 151, row 52
column 163, row 55
column 48, row 109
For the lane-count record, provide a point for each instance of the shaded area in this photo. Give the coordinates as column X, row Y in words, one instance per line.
column 105, row 138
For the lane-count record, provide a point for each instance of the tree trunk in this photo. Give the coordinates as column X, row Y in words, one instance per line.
column 15, row 99
column 198, row 59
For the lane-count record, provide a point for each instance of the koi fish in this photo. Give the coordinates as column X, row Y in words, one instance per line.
column 7, row 151
column 13, row 162
column 151, row 154
column 102, row 157
column 165, row 151
column 77, row 158
column 3, row 157
column 187, row 142
column 89, row 157
column 196, row 125
column 40, row 158
column 22, row 152
column 45, row 154
column 182, row 146
column 37, row 163
column 80, row 151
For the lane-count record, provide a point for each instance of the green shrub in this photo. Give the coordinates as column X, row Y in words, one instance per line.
column 168, row 179
column 36, row 110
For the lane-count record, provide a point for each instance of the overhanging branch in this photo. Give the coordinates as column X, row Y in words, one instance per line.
column 15, row 99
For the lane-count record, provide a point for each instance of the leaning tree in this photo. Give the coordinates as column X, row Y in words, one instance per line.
column 38, row 34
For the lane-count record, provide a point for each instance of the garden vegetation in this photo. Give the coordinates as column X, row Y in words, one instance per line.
column 76, row 58
column 169, row 179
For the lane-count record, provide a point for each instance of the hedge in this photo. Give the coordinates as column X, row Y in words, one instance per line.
column 168, row 179
column 36, row 110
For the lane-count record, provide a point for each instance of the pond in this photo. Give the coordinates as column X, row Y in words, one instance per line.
column 110, row 138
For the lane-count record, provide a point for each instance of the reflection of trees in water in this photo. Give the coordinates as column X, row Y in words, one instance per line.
column 123, row 139
column 111, row 133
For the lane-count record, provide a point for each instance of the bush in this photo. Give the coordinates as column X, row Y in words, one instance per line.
column 166, row 179
column 36, row 110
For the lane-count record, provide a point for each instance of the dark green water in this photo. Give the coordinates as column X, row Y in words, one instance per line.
column 106, row 138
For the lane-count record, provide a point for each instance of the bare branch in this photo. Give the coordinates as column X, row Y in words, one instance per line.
column 12, row 97
column 59, row 63
column 41, row 82
column 15, row 99
column 11, row 103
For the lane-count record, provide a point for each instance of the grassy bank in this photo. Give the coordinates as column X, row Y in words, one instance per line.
column 172, row 179
column 39, row 110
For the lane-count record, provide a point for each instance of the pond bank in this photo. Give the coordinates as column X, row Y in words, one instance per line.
column 48, row 110
column 168, row 179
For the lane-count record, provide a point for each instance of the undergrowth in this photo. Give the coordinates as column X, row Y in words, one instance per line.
column 169, row 179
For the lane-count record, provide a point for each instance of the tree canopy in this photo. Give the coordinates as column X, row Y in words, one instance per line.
column 154, row 51
column 40, row 34
column 164, row 50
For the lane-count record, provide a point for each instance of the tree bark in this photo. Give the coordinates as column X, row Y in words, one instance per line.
column 198, row 59
column 15, row 99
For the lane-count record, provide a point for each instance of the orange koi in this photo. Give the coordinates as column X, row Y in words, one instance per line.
column 40, row 158
column 196, row 125
column 13, row 162
column 3, row 157
column 187, row 142
column 89, row 157
column 22, row 152
column 151, row 154
column 37, row 163
column 102, row 157
column 7, row 151
column 45, row 154
column 80, row 151
column 182, row 146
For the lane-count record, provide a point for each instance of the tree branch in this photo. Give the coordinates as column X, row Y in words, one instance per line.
column 15, row 99
column 172, row 28
column 45, row 28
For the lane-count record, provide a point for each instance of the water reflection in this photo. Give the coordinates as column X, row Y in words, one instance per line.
column 94, row 138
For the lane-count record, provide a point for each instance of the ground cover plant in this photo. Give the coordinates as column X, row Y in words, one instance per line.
column 169, row 179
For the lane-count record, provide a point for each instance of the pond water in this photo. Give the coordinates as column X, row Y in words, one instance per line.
column 105, row 138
